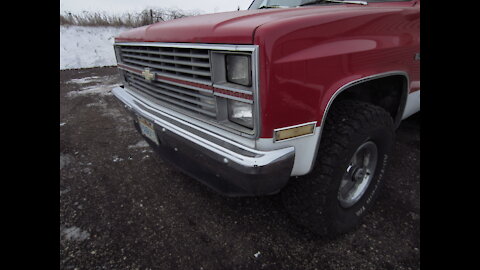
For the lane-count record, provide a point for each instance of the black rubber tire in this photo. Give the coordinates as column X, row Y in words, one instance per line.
column 312, row 199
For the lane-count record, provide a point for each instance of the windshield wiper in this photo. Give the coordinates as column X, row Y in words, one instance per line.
column 275, row 6
column 335, row 1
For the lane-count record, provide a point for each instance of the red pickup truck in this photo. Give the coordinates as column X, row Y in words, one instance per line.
column 297, row 96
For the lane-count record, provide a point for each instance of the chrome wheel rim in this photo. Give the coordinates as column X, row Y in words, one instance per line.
column 358, row 174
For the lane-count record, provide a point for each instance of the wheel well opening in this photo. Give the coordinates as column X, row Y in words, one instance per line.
column 387, row 92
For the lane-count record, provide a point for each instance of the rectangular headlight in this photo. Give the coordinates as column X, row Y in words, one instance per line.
column 240, row 113
column 239, row 69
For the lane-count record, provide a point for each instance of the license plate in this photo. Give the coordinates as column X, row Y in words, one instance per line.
column 147, row 129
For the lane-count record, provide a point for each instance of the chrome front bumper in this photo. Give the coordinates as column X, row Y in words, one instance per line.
column 224, row 165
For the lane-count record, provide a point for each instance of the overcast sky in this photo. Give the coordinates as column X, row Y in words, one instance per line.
column 120, row 6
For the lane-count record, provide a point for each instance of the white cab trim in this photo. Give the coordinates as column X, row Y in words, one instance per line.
column 305, row 150
column 413, row 104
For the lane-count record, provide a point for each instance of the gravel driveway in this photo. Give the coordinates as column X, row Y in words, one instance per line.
column 121, row 207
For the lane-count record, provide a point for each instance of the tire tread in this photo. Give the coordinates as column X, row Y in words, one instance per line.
column 306, row 200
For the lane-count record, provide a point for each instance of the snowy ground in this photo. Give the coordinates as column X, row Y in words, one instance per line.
column 86, row 47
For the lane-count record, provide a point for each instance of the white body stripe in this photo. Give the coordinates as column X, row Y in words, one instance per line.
column 413, row 104
column 305, row 147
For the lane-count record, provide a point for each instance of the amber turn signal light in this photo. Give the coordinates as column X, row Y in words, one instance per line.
column 295, row 131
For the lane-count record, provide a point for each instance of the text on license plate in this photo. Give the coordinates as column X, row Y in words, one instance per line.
column 147, row 129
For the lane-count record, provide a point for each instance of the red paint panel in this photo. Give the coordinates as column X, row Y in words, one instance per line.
column 306, row 54
column 236, row 27
column 305, row 60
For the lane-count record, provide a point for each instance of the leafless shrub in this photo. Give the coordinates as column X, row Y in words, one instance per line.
column 145, row 17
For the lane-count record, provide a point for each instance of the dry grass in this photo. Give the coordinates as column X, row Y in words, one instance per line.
column 127, row 19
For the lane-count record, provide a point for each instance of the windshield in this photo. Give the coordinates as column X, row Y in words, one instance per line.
column 256, row 4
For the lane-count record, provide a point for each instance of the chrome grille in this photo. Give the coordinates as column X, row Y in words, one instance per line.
column 185, row 97
column 189, row 78
column 186, row 63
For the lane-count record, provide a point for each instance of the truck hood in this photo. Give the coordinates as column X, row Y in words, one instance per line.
column 237, row 27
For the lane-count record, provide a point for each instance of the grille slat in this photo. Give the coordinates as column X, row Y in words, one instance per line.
column 169, row 68
column 162, row 60
column 188, row 64
column 196, row 89
column 176, row 93
column 173, row 101
column 192, row 55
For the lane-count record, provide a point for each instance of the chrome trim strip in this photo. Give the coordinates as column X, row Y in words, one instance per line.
column 294, row 126
column 261, row 158
column 233, row 97
column 349, row 2
column 216, row 85
column 226, row 47
column 204, row 124
column 256, row 91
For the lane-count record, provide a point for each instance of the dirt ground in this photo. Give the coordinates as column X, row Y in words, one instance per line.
column 121, row 207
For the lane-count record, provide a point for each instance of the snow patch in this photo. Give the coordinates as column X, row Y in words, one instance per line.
column 85, row 80
column 73, row 233
column 101, row 86
column 65, row 159
column 140, row 144
column 86, row 47
column 117, row 159
column 64, row 191
column 102, row 89
column 100, row 104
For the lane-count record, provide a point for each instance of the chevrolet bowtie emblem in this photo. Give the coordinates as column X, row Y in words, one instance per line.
column 148, row 75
